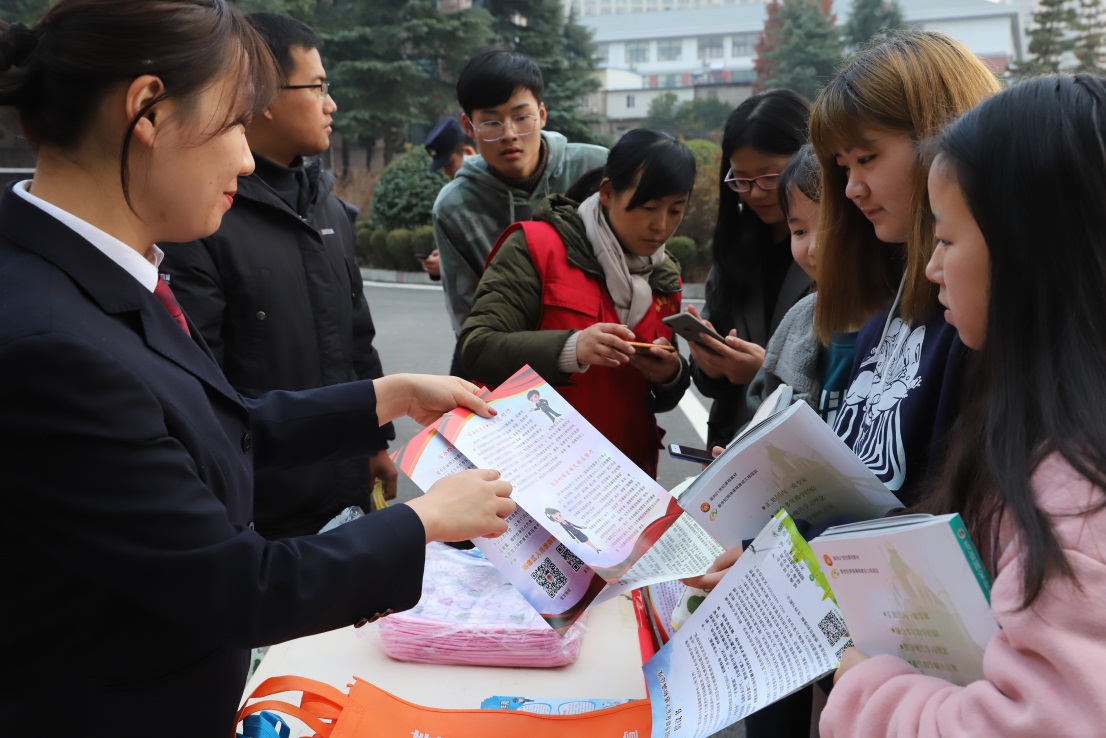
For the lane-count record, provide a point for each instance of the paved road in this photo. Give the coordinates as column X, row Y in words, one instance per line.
column 413, row 335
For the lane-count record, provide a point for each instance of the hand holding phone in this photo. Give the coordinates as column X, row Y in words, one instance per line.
column 691, row 328
column 690, row 453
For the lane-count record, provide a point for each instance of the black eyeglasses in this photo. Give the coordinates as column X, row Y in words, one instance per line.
column 323, row 88
column 745, row 184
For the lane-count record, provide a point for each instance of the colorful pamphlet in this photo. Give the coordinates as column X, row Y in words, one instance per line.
column 791, row 461
column 915, row 587
column 769, row 628
column 912, row 586
column 588, row 520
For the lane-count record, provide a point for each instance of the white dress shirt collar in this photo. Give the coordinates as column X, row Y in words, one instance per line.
column 142, row 268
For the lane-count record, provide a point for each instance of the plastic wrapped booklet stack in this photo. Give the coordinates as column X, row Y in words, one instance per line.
column 470, row 614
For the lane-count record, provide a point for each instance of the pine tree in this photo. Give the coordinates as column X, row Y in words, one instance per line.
column 393, row 64
column 809, row 48
column 562, row 49
column 870, row 18
column 1048, row 39
column 1089, row 43
column 765, row 64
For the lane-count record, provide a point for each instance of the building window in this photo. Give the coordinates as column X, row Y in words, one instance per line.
column 636, row 53
column 629, row 101
column 670, row 50
column 743, row 44
column 668, row 80
column 710, row 47
column 602, row 54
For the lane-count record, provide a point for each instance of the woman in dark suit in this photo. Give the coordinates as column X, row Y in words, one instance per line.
column 134, row 583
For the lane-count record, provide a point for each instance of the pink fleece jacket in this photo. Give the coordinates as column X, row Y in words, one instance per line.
column 1045, row 671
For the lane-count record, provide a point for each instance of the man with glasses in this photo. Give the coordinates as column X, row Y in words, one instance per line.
column 276, row 291
column 520, row 164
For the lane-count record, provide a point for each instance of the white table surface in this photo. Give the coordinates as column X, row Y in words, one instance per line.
column 608, row 667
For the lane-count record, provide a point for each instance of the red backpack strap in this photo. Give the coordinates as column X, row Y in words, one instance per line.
column 537, row 232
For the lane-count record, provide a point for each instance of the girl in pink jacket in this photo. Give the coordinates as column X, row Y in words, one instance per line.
column 1018, row 193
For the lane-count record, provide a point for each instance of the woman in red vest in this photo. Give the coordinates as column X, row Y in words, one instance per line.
column 567, row 292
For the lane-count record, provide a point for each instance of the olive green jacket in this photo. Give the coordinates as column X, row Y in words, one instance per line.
column 500, row 334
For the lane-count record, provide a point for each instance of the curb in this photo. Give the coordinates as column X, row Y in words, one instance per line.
column 692, row 291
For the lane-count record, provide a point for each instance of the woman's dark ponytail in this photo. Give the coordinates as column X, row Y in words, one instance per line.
column 18, row 45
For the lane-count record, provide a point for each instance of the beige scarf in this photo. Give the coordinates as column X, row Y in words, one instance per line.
column 627, row 275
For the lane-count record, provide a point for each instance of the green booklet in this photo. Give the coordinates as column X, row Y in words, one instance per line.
column 912, row 586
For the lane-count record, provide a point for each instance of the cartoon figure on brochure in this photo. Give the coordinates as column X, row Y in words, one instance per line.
column 539, row 404
column 573, row 530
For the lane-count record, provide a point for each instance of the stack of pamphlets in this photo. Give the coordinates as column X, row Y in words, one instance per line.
column 591, row 524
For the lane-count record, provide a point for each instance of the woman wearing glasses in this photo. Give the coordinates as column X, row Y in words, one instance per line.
column 754, row 280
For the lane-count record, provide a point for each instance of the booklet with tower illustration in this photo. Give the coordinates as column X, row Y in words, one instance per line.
column 912, row 586
column 791, row 461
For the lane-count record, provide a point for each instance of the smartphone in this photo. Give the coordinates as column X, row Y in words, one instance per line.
column 422, row 256
column 643, row 348
column 690, row 328
column 690, row 453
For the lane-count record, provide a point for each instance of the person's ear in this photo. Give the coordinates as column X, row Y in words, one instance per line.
column 470, row 131
column 606, row 192
column 541, row 115
column 141, row 92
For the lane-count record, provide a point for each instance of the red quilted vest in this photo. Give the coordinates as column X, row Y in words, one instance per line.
column 616, row 401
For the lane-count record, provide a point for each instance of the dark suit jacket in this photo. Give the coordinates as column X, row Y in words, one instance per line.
column 133, row 582
column 279, row 300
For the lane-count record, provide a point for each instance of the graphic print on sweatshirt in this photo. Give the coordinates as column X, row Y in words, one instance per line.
column 869, row 419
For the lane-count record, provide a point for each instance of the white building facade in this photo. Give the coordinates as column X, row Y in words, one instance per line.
column 709, row 51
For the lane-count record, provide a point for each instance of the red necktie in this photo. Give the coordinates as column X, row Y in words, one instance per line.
column 165, row 295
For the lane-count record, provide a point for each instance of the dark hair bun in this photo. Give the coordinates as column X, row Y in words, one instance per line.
column 17, row 43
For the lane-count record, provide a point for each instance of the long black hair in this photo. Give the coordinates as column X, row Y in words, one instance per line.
column 1031, row 163
column 771, row 122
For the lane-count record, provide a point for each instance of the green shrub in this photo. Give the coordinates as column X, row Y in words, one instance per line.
column 405, row 194
column 378, row 249
column 702, row 210
column 422, row 240
column 363, row 246
column 400, row 246
column 685, row 251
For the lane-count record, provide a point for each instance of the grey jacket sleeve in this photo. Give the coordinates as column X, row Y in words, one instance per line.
column 460, row 276
column 791, row 358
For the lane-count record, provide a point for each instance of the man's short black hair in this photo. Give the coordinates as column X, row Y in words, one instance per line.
column 282, row 33
column 492, row 76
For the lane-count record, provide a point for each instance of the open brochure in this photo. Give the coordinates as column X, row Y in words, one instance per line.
column 588, row 520
column 914, row 587
column 791, row 461
column 911, row 586
column 769, row 628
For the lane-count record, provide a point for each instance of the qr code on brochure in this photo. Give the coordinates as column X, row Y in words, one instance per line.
column 848, row 644
column 570, row 558
column 833, row 627
column 549, row 577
